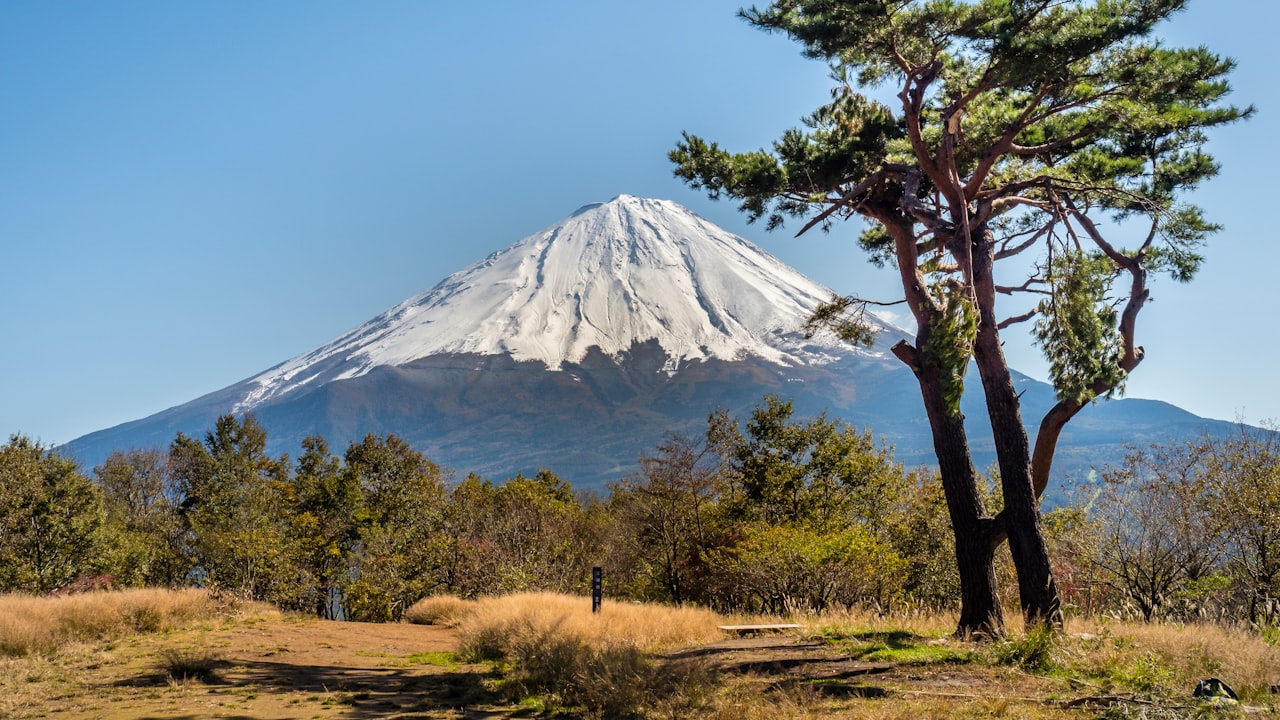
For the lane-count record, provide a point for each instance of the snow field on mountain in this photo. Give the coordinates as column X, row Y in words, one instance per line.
column 610, row 276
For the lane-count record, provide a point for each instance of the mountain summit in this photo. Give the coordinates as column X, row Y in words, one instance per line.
column 610, row 276
column 579, row 348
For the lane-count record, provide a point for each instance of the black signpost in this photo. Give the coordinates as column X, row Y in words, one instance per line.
column 597, row 587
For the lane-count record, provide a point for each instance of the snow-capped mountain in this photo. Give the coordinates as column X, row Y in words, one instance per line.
column 581, row 347
column 609, row 276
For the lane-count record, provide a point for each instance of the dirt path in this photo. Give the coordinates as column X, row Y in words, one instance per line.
column 267, row 669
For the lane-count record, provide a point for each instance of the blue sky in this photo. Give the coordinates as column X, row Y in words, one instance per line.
column 193, row 192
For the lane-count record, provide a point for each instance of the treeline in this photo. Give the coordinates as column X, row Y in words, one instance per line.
column 765, row 513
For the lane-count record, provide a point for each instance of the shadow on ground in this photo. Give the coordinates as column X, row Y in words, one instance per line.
column 358, row 692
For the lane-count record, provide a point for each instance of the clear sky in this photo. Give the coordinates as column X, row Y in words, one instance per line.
column 192, row 192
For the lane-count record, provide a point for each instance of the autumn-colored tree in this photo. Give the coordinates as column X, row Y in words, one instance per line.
column 669, row 511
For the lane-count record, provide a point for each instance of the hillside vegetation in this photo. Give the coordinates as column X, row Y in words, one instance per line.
column 1167, row 564
column 766, row 514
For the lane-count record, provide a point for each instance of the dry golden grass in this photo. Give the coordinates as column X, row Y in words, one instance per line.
column 30, row 625
column 495, row 622
column 444, row 610
column 601, row 663
column 864, row 620
column 1174, row 657
column 556, row 655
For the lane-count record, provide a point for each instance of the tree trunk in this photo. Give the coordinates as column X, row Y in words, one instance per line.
column 980, row 611
column 1037, row 590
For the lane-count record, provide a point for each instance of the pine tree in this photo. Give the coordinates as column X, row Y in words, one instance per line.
column 1055, row 138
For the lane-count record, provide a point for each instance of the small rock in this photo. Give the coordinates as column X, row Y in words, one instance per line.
column 1214, row 689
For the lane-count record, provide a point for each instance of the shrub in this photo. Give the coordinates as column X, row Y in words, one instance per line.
column 183, row 665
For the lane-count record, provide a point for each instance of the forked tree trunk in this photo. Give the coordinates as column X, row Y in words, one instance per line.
column 1037, row 591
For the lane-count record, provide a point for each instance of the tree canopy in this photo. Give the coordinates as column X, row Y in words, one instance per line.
column 997, row 149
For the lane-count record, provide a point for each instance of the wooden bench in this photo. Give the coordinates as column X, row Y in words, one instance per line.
column 745, row 630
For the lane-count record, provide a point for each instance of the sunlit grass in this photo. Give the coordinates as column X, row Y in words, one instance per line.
column 30, row 624
column 1173, row 657
column 491, row 626
column 445, row 610
column 566, row 656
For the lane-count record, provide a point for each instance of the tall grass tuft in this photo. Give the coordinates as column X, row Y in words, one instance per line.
column 42, row 625
column 1035, row 651
column 495, row 623
column 444, row 610
column 603, row 663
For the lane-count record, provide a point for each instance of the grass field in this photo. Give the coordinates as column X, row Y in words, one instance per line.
column 161, row 654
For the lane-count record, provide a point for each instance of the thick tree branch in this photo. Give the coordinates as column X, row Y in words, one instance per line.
column 1018, row 319
column 912, row 96
column 911, row 205
column 845, row 199
column 996, row 150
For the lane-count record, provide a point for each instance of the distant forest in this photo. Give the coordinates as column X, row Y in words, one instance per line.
column 767, row 513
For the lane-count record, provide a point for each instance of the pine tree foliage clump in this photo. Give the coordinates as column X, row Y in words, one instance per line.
column 1014, row 161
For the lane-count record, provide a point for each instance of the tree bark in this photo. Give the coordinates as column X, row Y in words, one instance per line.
column 1037, row 591
column 980, row 612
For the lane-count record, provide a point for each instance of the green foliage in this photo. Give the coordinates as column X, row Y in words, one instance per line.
column 50, row 517
column 325, row 524
column 144, row 531
column 919, row 531
column 949, row 343
column 783, row 568
column 403, row 497
column 1077, row 329
column 894, row 646
column 1035, row 651
column 815, row 471
column 1020, row 118
column 235, row 504
column 844, row 316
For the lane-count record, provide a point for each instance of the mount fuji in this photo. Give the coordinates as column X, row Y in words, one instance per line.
column 581, row 347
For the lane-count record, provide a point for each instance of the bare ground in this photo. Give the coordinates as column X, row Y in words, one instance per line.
column 262, row 669
column 273, row 667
